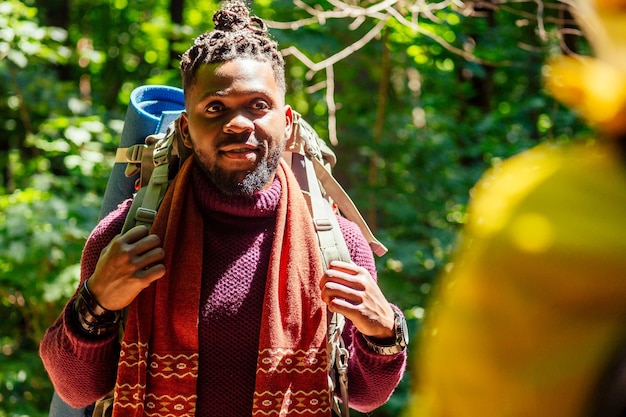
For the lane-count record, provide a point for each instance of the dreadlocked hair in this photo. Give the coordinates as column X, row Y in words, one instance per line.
column 236, row 35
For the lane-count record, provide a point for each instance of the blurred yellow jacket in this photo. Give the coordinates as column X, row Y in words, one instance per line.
column 530, row 314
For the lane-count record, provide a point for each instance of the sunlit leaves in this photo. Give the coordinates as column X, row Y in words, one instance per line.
column 419, row 54
column 22, row 39
column 40, row 236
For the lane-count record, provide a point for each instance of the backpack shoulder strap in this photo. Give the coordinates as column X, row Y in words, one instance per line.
column 305, row 140
column 332, row 247
column 345, row 204
column 303, row 155
column 156, row 174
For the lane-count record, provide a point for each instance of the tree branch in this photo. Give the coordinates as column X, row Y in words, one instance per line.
column 406, row 13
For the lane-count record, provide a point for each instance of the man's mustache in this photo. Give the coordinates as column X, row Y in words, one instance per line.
column 240, row 139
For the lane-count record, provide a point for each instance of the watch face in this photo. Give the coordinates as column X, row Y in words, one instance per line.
column 400, row 342
column 405, row 330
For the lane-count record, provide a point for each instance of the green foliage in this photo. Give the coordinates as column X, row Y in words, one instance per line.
column 40, row 240
column 55, row 161
column 43, row 226
column 421, row 114
column 22, row 39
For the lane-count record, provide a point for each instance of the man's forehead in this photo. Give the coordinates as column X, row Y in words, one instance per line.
column 236, row 75
column 237, row 68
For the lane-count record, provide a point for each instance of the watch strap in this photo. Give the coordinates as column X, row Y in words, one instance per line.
column 401, row 338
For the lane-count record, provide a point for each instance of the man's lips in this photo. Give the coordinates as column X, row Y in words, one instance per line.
column 240, row 147
column 240, row 151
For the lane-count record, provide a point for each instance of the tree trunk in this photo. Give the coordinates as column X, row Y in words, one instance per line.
column 383, row 92
column 56, row 13
column 176, row 14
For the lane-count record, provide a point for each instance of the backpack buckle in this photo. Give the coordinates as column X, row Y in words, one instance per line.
column 145, row 216
column 322, row 225
column 134, row 155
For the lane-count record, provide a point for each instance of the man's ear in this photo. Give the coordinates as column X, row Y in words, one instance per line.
column 288, row 121
column 184, row 130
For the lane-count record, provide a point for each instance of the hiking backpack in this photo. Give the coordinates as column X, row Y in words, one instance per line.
column 152, row 149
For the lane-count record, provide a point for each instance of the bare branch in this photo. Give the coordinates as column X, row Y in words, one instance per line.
column 540, row 25
column 321, row 16
column 408, row 13
column 315, row 67
column 332, row 108
column 467, row 55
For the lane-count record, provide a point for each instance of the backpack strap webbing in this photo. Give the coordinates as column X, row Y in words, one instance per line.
column 305, row 140
column 332, row 247
column 156, row 174
column 346, row 205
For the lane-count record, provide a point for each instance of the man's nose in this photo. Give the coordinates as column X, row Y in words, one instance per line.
column 239, row 123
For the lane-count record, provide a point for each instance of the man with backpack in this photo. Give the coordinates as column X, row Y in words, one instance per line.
column 225, row 299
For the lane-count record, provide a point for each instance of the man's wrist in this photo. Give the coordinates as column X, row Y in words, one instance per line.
column 394, row 345
column 94, row 319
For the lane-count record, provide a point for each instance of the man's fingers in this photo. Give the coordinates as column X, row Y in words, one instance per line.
column 137, row 242
column 125, row 242
column 151, row 257
column 347, row 279
column 135, row 234
column 151, row 273
column 342, row 306
column 334, row 290
column 345, row 267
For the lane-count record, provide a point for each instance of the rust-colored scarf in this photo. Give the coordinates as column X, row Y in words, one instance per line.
column 158, row 366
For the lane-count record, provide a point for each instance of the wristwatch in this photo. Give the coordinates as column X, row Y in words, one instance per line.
column 401, row 338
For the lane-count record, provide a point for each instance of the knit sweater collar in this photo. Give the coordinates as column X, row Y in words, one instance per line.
column 261, row 204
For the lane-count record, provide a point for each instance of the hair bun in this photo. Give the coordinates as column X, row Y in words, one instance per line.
column 237, row 34
column 234, row 17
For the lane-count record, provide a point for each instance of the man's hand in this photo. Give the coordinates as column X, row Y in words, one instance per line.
column 128, row 264
column 350, row 290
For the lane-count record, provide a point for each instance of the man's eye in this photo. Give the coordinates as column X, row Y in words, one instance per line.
column 214, row 108
column 260, row 105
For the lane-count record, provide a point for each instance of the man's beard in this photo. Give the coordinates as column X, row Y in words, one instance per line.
column 229, row 183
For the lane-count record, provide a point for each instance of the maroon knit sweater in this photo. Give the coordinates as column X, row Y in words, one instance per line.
column 237, row 243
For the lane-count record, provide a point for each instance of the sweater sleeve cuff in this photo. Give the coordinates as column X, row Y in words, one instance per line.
column 93, row 349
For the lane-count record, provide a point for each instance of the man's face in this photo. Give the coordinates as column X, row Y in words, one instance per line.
column 236, row 122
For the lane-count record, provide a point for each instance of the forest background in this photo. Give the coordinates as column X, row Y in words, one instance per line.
column 418, row 99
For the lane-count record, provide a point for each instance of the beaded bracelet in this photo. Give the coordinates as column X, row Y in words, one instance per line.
column 94, row 319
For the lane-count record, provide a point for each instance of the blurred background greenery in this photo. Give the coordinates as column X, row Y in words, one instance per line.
column 420, row 97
